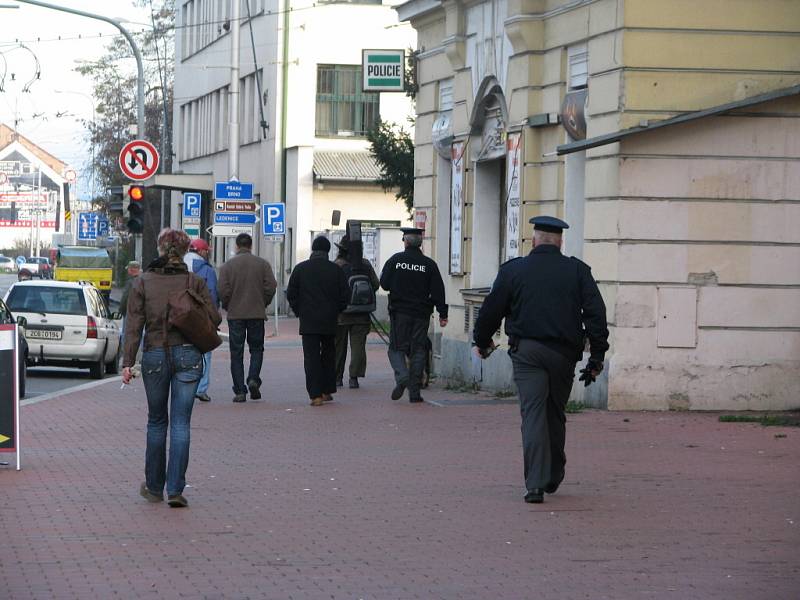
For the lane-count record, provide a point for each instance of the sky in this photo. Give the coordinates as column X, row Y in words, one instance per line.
column 50, row 113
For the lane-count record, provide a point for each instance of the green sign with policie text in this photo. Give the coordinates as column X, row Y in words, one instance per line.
column 383, row 70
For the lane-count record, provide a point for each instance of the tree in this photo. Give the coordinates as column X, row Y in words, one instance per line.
column 114, row 81
column 393, row 147
column 393, row 150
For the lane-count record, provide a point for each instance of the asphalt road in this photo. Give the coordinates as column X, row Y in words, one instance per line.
column 45, row 380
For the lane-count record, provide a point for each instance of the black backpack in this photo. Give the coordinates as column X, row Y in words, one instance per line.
column 362, row 297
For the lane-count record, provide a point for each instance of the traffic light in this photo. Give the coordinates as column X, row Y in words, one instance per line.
column 135, row 209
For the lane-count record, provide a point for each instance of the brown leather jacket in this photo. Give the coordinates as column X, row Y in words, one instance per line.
column 147, row 304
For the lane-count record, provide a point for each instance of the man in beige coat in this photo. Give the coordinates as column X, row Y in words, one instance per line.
column 246, row 287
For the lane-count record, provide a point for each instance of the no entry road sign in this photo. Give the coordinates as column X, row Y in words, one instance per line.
column 138, row 160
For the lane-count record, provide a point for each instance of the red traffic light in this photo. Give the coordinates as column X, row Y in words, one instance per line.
column 136, row 193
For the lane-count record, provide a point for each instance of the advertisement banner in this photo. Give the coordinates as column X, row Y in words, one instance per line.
column 513, row 169
column 457, row 208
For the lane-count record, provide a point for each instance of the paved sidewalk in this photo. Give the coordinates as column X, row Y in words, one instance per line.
column 374, row 499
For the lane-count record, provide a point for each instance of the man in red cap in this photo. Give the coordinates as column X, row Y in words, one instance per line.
column 197, row 261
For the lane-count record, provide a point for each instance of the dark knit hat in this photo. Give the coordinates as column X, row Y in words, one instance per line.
column 321, row 244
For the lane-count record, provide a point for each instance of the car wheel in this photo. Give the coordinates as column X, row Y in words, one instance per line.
column 97, row 369
column 113, row 366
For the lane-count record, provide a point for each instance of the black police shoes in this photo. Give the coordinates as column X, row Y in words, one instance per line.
column 415, row 399
column 535, row 496
column 398, row 391
column 353, row 383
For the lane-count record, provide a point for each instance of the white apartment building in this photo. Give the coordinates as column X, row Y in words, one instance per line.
column 311, row 151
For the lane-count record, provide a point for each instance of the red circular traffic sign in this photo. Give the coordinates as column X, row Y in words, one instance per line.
column 138, row 160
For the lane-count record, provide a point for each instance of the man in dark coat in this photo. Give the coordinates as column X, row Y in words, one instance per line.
column 550, row 302
column 415, row 286
column 317, row 293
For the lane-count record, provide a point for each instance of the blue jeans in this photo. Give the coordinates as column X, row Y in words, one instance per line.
column 240, row 330
column 179, row 373
column 202, row 388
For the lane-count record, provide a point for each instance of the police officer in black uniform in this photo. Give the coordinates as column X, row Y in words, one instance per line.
column 415, row 286
column 550, row 302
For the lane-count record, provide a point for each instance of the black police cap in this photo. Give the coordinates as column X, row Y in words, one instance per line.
column 412, row 230
column 551, row 224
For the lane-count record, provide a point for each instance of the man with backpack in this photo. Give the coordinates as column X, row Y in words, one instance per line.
column 355, row 321
column 415, row 286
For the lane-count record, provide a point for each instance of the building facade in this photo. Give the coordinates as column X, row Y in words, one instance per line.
column 32, row 188
column 666, row 134
column 303, row 129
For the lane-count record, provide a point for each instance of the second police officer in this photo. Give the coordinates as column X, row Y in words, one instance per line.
column 415, row 286
column 550, row 302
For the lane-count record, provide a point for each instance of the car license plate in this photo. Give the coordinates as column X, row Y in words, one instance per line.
column 43, row 334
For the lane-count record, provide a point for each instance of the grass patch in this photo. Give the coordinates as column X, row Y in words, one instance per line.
column 764, row 420
column 505, row 393
column 574, row 407
column 462, row 387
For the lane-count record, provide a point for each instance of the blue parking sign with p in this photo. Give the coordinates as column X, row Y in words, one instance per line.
column 191, row 204
column 273, row 218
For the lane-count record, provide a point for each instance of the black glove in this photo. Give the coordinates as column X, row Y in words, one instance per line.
column 589, row 372
column 486, row 352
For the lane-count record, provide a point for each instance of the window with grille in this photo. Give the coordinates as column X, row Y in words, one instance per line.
column 343, row 109
column 578, row 65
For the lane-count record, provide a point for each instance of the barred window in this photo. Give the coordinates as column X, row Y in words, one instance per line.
column 343, row 109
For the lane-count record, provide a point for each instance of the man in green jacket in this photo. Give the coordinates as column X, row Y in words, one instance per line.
column 354, row 325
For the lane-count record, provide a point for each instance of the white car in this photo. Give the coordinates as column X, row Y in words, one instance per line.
column 68, row 325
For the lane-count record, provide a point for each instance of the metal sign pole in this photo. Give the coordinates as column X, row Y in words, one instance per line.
column 15, row 347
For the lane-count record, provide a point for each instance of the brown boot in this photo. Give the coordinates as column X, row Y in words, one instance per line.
column 317, row 401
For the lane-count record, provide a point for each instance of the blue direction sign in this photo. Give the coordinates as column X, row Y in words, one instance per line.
column 233, row 190
column 87, row 226
column 223, row 218
column 191, row 205
column 273, row 218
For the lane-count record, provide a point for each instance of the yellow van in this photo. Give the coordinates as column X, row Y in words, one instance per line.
column 85, row 263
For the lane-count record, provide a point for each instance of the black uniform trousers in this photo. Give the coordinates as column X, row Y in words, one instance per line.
column 319, row 360
column 408, row 345
column 544, row 381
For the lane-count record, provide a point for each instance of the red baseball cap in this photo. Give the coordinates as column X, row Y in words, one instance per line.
column 198, row 245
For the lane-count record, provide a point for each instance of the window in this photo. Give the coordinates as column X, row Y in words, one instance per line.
column 65, row 301
column 343, row 109
column 204, row 120
column 578, row 66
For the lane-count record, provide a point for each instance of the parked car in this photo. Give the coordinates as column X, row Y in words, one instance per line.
column 45, row 269
column 68, row 325
column 8, row 318
column 7, row 265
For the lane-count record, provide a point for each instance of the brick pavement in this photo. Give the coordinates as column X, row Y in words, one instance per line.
column 374, row 499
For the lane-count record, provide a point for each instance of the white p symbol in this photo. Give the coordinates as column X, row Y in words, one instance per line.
column 273, row 212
